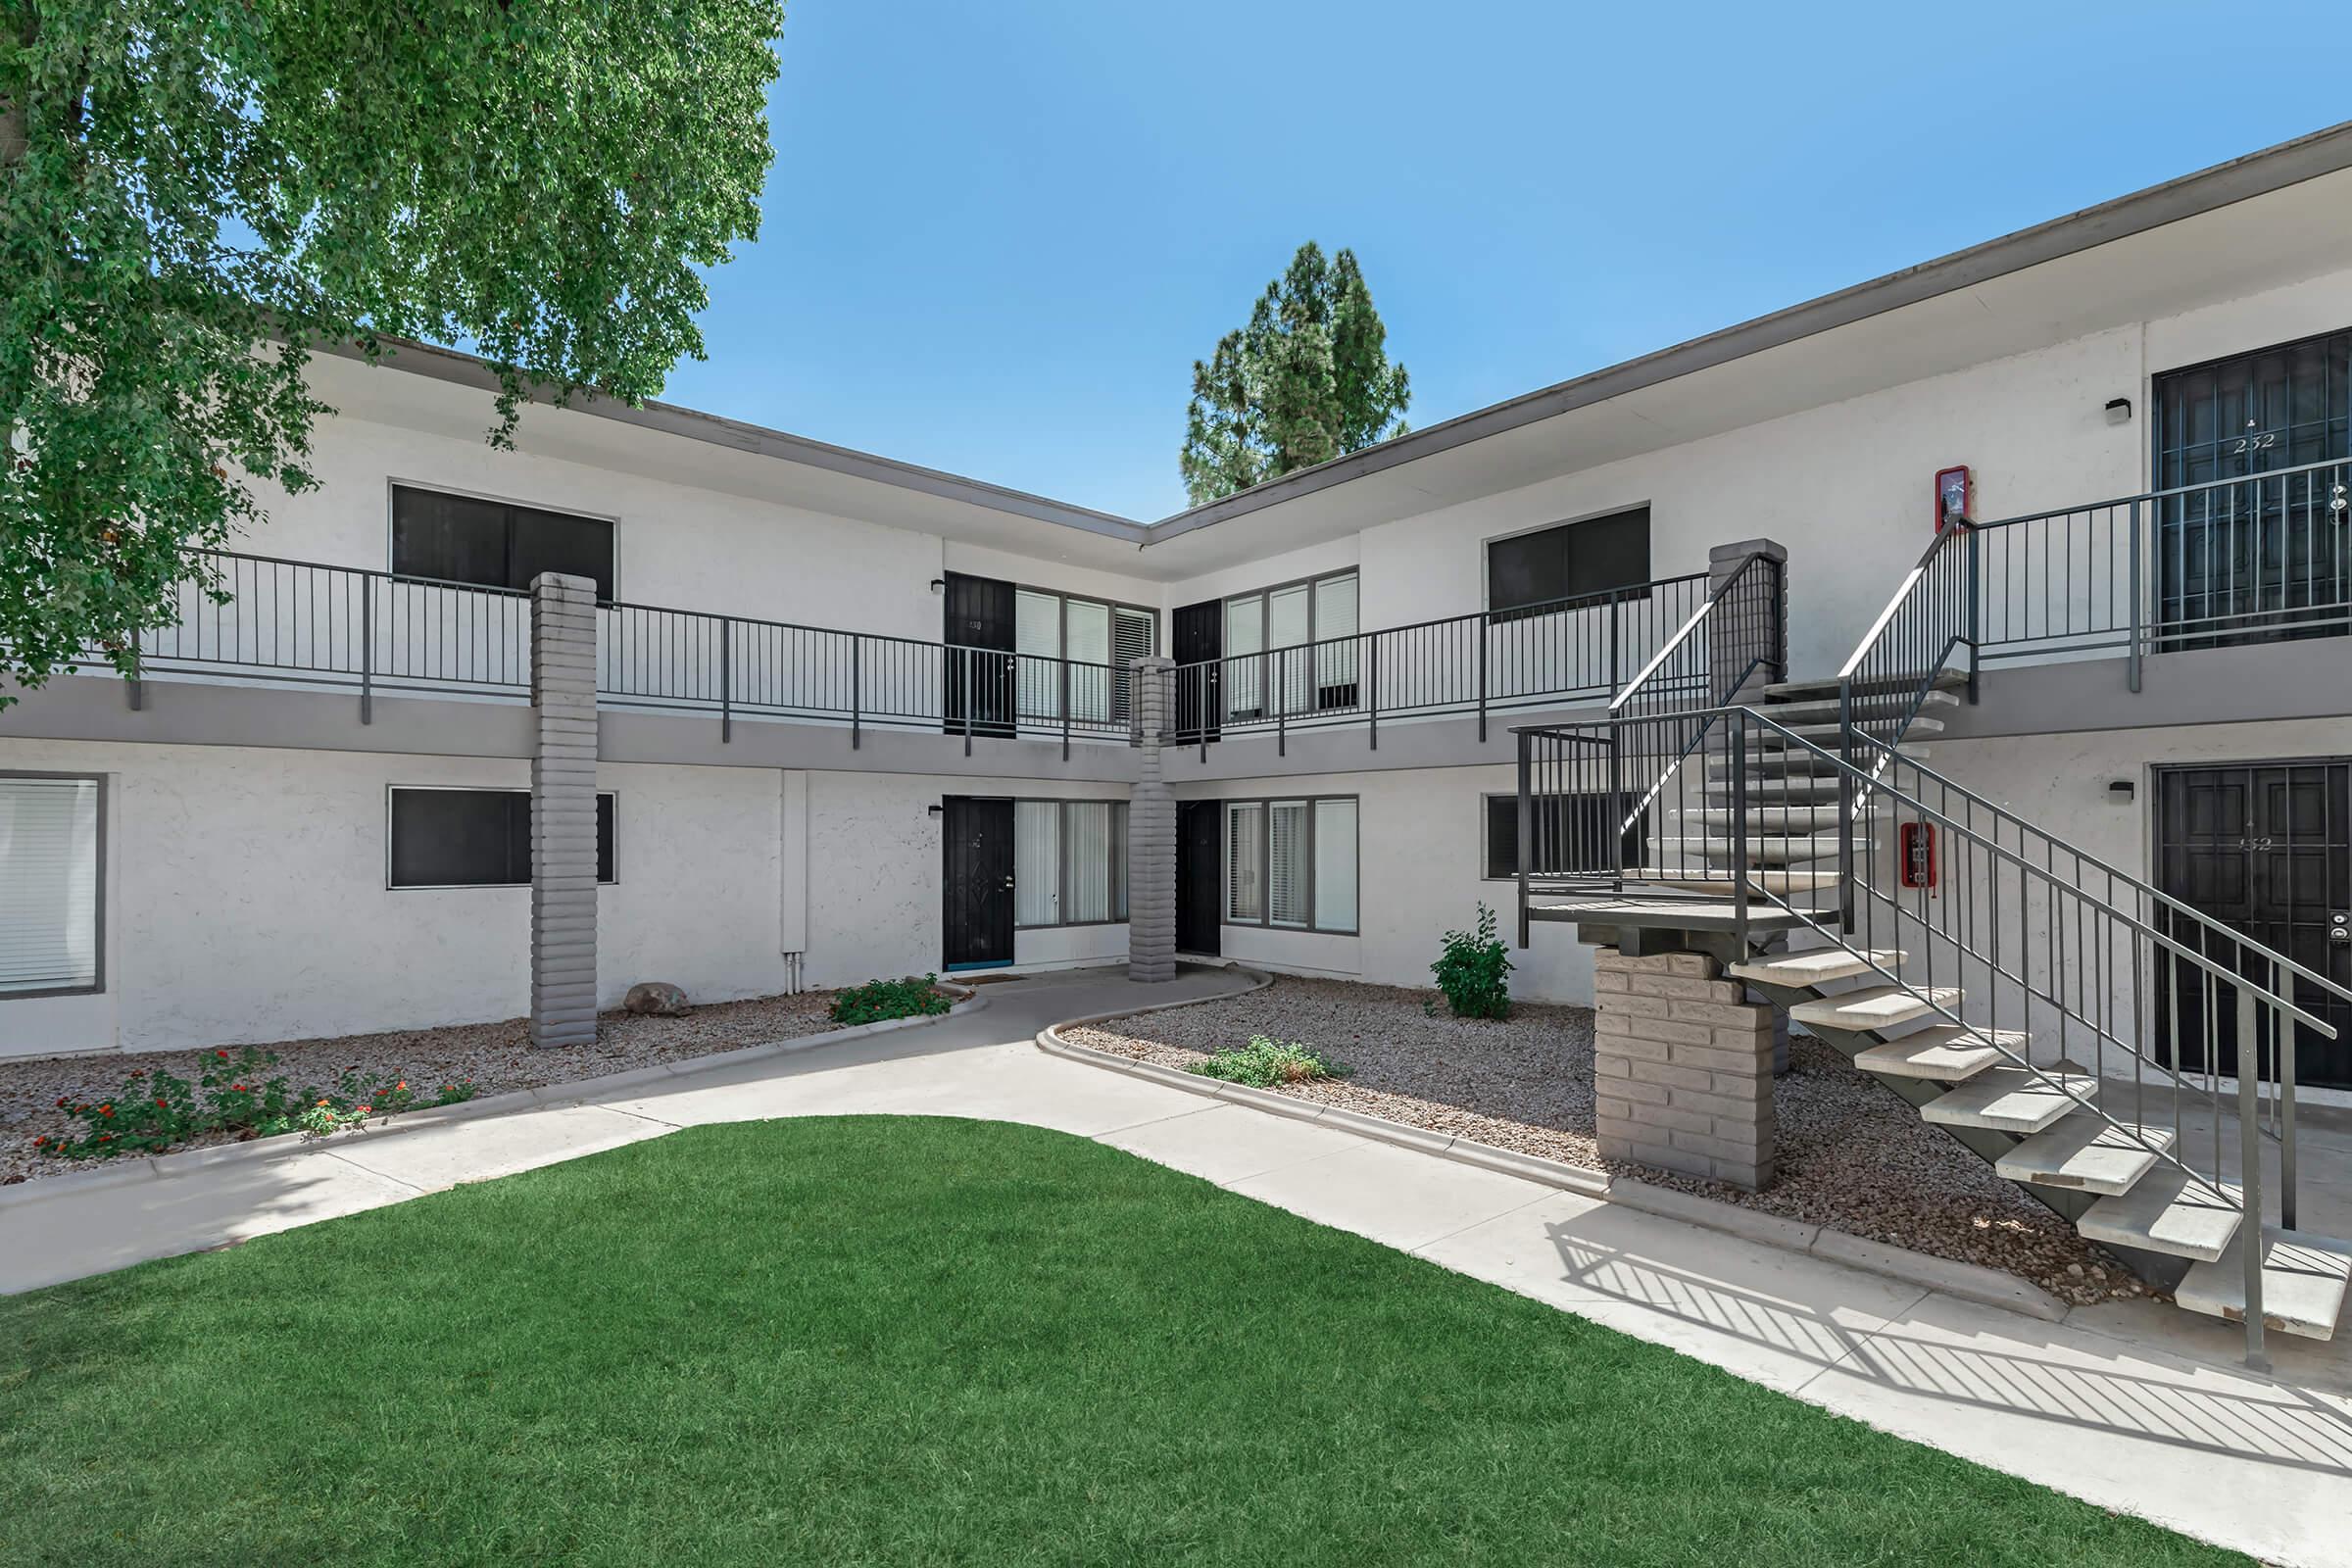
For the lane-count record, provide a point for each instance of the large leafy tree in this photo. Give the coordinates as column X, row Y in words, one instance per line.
column 197, row 194
column 1308, row 379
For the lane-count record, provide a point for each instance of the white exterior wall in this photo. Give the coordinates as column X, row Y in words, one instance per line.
column 1848, row 486
column 1421, row 853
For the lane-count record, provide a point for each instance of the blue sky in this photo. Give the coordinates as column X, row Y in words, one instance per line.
column 997, row 236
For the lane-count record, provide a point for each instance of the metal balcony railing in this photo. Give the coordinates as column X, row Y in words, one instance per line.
column 246, row 617
column 1563, row 651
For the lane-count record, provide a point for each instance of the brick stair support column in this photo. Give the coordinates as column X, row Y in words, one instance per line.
column 1682, row 1068
column 564, row 811
column 1152, row 833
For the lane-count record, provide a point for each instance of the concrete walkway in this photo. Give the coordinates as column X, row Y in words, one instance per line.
column 2134, row 1405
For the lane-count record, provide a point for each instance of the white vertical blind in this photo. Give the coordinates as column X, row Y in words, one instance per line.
column 1287, row 627
column 1037, row 635
column 1244, row 867
column 1335, row 865
column 1335, row 635
column 1245, row 634
column 48, row 883
column 1086, row 861
column 1036, row 863
column 1286, row 863
column 1089, row 653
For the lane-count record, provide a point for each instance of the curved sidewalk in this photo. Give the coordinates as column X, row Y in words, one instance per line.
column 2134, row 1406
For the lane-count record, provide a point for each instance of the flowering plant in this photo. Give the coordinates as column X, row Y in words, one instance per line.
column 235, row 1093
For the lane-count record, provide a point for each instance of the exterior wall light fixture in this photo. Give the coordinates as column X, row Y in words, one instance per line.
column 2119, row 411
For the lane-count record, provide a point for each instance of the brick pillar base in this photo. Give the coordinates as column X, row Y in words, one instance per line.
column 1682, row 1068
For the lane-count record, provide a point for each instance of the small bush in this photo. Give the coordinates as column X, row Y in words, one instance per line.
column 154, row 1111
column 877, row 1000
column 1265, row 1062
column 1474, row 971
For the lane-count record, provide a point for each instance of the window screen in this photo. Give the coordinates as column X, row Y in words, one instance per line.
column 1335, row 865
column 1119, row 860
column 1036, row 863
column 1573, row 560
column 1244, row 865
column 476, row 838
column 1088, row 652
column 49, row 903
column 1336, row 649
column 1286, row 863
column 494, row 544
column 1131, row 638
column 1037, row 637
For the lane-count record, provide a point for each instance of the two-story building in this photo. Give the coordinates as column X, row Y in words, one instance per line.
column 857, row 718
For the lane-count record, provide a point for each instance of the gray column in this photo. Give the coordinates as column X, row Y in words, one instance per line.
column 1682, row 1068
column 1753, row 621
column 564, row 811
column 1152, row 833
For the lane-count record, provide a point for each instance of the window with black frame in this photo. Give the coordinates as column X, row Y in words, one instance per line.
column 1531, row 573
column 442, row 537
column 475, row 838
column 1571, row 837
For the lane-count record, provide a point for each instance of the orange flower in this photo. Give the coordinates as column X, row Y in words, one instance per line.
column 323, row 1101
column 403, row 1084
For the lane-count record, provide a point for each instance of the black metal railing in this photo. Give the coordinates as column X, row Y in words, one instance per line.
column 2087, row 978
column 245, row 617
column 1563, row 651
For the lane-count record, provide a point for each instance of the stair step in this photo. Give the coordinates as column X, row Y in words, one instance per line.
column 2008, row 1099
column 1807, row 819
column 2165, row 1211
column 1781, row 763
column 1769, row 848
column 1875, row 1008
column 1699, row 879
column 2303, row 1279
column 2085, row 1154
column 1818, row 967
column 1947, row 1054
column 1826, row 735
column 1797, row 691
column 1782, row 788
column 1826, row 708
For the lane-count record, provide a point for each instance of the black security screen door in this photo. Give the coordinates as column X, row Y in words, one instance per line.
column 976, row 840
column 1199, row 641
column 2266, row 849
column 979, row 617
column 2267, row 558
column 1199, row 875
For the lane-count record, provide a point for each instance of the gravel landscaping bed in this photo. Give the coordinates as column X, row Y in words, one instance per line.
column 1851, row 1155
column 496, row 1057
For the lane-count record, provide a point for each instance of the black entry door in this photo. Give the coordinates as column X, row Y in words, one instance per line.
column 2266, row 557
column 979, row 634
column 1199, row 875
column 976, row 837
column 1198, row 643
column 2266, row 849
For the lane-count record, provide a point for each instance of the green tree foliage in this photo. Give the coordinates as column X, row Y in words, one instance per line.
column 1308, row 379
column 196, row 194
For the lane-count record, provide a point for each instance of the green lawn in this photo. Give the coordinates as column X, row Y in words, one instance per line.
column 890, row 1340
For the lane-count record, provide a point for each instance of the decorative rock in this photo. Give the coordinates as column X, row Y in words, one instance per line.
column 657, row 999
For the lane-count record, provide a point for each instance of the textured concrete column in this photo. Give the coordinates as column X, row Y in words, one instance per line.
column 1152, row 833
column 564, row 811
column 1682, row 1068
column 1752, row 622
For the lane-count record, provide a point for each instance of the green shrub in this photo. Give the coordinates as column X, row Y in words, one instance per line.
column 1265, row 1062
column 154, row 1111
column 1474, row 971
column 877, row 1000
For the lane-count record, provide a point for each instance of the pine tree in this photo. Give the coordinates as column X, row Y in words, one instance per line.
column 1308, row 380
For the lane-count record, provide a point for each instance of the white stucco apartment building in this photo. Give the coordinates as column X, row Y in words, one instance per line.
column 859, row 719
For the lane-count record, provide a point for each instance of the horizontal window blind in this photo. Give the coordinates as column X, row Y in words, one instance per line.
column 1036, row 863
column 48, row 883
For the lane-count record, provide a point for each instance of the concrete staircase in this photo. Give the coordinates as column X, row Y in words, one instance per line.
column 2038, row 1121
column 2037, row 1125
